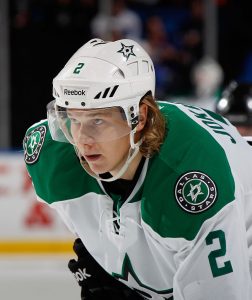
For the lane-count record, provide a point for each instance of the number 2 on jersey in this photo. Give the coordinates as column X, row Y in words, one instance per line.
column 216, row 270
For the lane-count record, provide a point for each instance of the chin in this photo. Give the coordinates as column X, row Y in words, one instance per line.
column 102, row 168
column 99, row 169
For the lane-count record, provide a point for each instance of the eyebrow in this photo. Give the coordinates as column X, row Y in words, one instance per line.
column 92, row 114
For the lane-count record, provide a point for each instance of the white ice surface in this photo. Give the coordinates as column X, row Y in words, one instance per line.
column 37, row 278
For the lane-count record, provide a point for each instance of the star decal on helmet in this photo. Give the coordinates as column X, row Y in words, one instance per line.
column 126, row 51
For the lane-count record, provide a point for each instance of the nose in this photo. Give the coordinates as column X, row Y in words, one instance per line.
column 84, row 137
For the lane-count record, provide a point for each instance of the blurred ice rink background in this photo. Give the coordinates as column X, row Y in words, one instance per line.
column 35, row 246
column 37, row 277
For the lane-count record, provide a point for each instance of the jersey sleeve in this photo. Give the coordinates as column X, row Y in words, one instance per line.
column 215, row 264
column 54, row 167
column 188, row 182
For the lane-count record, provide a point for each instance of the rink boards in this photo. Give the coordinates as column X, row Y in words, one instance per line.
column 26, row 225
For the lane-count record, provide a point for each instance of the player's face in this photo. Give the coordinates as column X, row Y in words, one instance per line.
column 94, row 125
column 102, row 137
column 107, row 156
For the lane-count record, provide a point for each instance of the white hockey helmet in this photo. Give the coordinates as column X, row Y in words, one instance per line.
column 106, row 74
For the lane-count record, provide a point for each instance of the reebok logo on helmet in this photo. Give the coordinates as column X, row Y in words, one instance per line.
column 74, row 92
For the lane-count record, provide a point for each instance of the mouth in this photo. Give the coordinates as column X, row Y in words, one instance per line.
column 92, row 157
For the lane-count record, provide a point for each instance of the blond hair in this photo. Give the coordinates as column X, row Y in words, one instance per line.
column 154, row 130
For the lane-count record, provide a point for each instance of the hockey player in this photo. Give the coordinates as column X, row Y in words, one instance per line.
column 159, row 195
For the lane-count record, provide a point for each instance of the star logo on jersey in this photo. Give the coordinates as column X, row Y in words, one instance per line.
column 129, row 277
column 195, row 192
column 33, row 143
column 127, row 51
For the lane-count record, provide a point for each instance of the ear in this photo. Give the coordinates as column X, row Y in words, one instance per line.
column 143, row 111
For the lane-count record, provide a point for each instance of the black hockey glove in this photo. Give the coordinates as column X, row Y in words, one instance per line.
column 95, row 282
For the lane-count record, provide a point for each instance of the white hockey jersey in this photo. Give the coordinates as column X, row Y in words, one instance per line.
column 185, row 230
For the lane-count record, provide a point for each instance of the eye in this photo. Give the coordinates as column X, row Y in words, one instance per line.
column 98, row 121
column 74, row 121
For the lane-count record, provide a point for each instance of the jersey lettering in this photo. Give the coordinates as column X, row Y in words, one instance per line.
column 209, row 121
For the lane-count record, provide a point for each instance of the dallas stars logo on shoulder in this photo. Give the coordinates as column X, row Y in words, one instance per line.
column 33, row 143
column 195, row 192
column 127, row 51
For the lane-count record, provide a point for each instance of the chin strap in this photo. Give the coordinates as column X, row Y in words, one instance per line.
column 134, row 149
